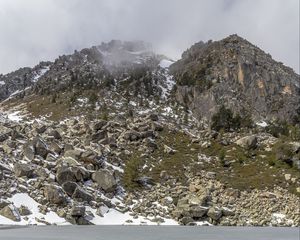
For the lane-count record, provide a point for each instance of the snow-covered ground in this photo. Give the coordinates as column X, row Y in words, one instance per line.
column 25, row 200
column 111, row 216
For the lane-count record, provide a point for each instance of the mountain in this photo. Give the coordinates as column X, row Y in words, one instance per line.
column 235, row 73
column 118, row 134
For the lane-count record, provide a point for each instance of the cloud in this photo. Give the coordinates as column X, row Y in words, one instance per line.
column 35, row 30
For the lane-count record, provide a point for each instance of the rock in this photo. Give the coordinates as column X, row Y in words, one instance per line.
column 55, row 134
column 145, row 181
column 81, row 195
column 28, row 151
column 75, row 154
column 99, row 136
column 24, row 211
column 4, row 203
column 214, row 213
column 248, row 142
column 23, row 170
column 77, row 211
column 54, row 194
column 198, row 211
column 99, row 125
column 287, row 177
column 186, row 220
column 227, row 212
column 211, row 175
column 69, row 187
column 169, row 150
column 41, row 148
column 105, row 180
column 11, row 212
column 131, row 135
column 65, row 174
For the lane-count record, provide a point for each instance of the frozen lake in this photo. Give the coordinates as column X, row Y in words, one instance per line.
column 147, row 233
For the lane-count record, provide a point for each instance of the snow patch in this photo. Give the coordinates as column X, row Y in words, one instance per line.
column 165, row 63
column 40, row 74
column 24, row 199
column 262, row 124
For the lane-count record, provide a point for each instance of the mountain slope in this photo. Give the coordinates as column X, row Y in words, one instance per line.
column 117, row 134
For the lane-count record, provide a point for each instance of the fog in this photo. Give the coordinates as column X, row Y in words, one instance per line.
column 36, row 30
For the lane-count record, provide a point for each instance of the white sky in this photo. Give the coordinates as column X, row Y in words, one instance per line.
column 36, row 30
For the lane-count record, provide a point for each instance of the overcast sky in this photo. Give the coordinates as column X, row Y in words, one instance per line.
column 35, row 30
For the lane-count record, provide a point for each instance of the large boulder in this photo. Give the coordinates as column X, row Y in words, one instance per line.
column 82, row 195
column 214, row 213
column 105, row 180
column 248, row 142
column 41, row 148
column 77, row 211
column 11, row 212
column 54, row 194
column 69, row 187
column 65, row 174
column 23, row 170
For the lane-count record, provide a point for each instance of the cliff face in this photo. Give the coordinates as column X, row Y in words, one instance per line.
column 239, row 75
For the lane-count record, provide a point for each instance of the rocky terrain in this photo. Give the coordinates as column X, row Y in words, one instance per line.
column 116, row 134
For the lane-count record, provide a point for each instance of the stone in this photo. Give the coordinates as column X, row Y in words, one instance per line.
column 77, row 211
column 55, row 134
column 198, row 211
column 81, row 195
column 23, row 170
column 99, row 136
column 65, row 174
column 99, row 125
column 41, row 148
column 69, row 187
column 54, row 194
column 214, row 213
column 11, row 212
column 75, row 154
column 105, row 180
column 248, row 142
column 287, row 177
column 28, row 151
column 24, row 211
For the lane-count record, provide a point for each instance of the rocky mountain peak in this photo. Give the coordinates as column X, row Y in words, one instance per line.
column 238, row 74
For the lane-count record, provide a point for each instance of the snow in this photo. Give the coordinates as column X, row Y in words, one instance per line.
column 165, row 63
column 114, row 217
column 115, row 167
column 14, row 116
column 25, row 200
column 40, row 74
column 2, row 83
column 262, row 124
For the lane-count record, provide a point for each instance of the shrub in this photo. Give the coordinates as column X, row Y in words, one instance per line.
column 224, row 119
column 131, row 172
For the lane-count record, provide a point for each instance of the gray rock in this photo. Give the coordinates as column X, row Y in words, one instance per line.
column 105, row 180
column 65, row 174
column 54, row 194
column 82, row 195
column 214, row 213
column 11, row 212
column 198, row 211
column 24, row 211
column 77, row 211
column 69, row 187
column 23, row 170
column 248, row 142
